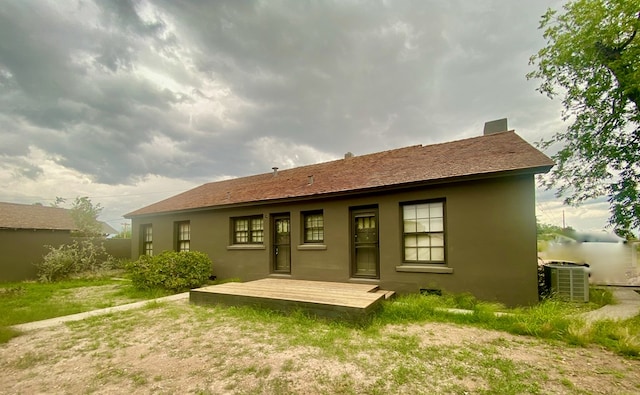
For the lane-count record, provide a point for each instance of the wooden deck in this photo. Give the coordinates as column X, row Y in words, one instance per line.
column 349, row 301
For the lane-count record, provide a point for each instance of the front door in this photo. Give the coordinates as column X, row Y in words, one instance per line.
column 282, row 244
column 365, row 243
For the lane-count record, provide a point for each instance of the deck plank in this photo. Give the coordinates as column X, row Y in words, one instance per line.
column 320, row 297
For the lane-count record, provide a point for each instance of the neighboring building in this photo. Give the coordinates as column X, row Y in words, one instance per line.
column 25, row 231
column 457, row 217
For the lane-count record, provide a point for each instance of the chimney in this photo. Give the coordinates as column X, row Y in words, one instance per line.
column 348, row 155
column 275, row 170
column 497, row 126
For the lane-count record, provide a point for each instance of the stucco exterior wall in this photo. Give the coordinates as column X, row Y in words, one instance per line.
column 23, row 248
column 490, row 233
column 118, row 248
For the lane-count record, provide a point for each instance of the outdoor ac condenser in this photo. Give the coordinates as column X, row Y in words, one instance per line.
column 568, row 282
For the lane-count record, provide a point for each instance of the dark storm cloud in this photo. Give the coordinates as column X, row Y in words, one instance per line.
column 119, row 90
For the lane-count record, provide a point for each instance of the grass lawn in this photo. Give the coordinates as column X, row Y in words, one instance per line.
column 411, row 346
column 22, row 302
column 551, row 319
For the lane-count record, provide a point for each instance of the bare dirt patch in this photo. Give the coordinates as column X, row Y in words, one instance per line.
column 179, row 348
column 98, row 295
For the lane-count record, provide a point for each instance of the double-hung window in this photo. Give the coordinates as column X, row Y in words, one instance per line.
column 183, row 236
column 423, row 233
column 313, row 227
column 146, row 233
column 248, row 230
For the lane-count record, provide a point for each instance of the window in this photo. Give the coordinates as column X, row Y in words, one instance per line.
column 313, row 227
column 147, row 239
column 248, row 230
column 183, row 236
column 423, row 232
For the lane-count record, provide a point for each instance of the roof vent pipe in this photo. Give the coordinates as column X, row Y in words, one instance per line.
column 497, row 126
column 275, row 171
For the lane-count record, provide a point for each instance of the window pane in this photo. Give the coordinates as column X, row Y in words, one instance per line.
column 147, row 233
column 436, row 224
column 437, row 254
column 184, row 231
column 422, row 211
column 314, row 228
column 410, row 254
column 242, row 237
column 409, row 212
column 410, row 241
column 183, row 246
column 422, row 225
column 437, row 240
column 436, row 210
column 242, row 224
column 423, row 240
column 257, row 236
column 423, row 228
column 257, row 224
column 410, row 226
column 424, row 254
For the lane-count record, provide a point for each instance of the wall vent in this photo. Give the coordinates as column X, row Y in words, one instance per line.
column 568, row 282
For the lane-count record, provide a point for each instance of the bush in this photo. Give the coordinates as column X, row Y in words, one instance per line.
column 68, row 259
column 175, row 271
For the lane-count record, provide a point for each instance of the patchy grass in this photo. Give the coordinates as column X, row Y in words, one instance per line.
column 412, row 346
column 31, row 301
column 551, row 319
column 22, row 302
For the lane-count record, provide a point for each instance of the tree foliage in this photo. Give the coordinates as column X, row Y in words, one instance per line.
column 85, row 216
column 592, row 58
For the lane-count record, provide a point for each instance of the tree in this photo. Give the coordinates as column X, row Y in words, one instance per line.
column 58, row 202
column 593, row 57
column 85, row 216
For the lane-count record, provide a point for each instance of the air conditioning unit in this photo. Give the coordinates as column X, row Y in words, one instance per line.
column 568, row 282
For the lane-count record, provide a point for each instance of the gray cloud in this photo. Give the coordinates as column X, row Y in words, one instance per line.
column 122, row 90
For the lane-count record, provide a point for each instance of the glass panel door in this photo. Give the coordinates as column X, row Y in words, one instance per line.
column 365, row 243
column 282, row 244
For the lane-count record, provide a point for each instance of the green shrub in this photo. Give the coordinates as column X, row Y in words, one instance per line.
column 68, row 259
column 175, row 271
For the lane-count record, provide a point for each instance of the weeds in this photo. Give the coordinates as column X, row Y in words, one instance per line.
column 550, row 319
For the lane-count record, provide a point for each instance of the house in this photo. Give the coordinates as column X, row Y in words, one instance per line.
column 456, row 217
column 25, row 231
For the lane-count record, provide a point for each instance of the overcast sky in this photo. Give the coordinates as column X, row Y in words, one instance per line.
column 131, row 102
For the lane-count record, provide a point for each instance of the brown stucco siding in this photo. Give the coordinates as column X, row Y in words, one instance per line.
column 23, row 248
column 490, row 239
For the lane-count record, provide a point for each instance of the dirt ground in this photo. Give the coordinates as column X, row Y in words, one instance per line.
column 180, row 348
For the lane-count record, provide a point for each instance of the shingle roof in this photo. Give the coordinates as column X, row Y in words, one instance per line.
column 494, row 154
column 24, row 216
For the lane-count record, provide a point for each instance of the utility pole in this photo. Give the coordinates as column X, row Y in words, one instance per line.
column 564, row 225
